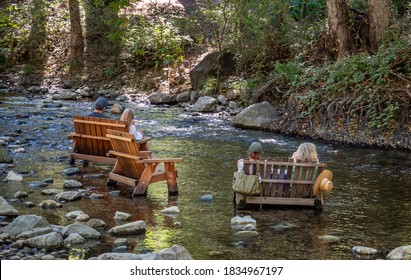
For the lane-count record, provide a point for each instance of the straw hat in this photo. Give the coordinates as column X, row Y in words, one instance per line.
column 324, row 182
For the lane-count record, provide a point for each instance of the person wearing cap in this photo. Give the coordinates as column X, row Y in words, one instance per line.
column 100, row 106
column 255, row 152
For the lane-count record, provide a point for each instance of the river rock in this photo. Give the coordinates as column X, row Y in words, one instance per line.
column 176, row 252
column 49, row 204
column 69, row 196
column 50, row 191
column 52, row 240
column 361, row 250
column 70, row 171
column 85, row 231
column 207, row 198
column 74, row 214
column 183, row 97
column 83, row 218
column 161, row 98
column 72, row 184
column 13, row 177
column 37, row 184
column 20, row 194
column 400, row 253
column 329, row 238
column 5, row 156
column 74, row 238
column 6, row 209
column 25, row 223
column 129, row 228
column 222, row 99
column 204, row 104
column 29, row 204
column 257, row 116
column 245, row 223
column 34, row 232
column 121, row 216
column 173, row 210
column 96, row 223
column 119, row 256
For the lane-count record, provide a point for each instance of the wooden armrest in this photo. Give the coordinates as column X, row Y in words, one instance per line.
column 76, row 135
column 158, row 160
column 138, row 157
column 144, row 140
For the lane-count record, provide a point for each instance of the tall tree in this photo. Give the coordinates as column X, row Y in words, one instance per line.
column 76, row 33
column 339, row 26
column 379, row 14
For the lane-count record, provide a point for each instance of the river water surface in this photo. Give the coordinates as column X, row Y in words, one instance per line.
column 370, row 204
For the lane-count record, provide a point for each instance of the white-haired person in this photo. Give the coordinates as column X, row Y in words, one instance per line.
column 306, row 152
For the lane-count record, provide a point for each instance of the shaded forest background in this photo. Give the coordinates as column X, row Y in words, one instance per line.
column 336, row 70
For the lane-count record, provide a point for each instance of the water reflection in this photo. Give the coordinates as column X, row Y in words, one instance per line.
column 370, row 204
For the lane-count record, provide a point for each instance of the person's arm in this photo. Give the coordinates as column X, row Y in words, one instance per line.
column 137, row 134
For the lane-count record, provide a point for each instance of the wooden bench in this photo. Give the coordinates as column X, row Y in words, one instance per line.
column 284, row 182
column 89, row 138
column 135, row 168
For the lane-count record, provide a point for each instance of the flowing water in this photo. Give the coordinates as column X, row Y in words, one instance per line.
column 370, row 204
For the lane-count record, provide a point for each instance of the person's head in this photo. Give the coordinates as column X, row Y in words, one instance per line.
column 255, row 151
column 128, row 115
column 306, row 151
column 101, row 104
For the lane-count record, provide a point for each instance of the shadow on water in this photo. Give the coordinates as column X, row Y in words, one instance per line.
column 370, row 204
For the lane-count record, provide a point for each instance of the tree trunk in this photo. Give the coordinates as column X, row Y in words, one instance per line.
column 76, row 33
column 339, row 26
column 379, row 14
column 303, row 9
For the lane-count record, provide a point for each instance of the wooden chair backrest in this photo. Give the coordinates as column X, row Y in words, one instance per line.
column 90, row 134
column 281, row 177
column 128, row 151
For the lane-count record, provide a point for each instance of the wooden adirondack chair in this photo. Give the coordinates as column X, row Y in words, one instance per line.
column 284, row 182
column 135, row 168
column 89, row 138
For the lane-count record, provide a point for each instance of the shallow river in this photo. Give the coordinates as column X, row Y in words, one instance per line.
column 370, row 204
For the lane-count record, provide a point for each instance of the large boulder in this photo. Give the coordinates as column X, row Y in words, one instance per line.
column 25, row 223
column 161, row 98
column 207, row 68
column 257, row 116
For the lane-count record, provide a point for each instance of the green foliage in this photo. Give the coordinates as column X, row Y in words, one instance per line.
column 158, row 41
column 290, row 72
column 25, row 31
column 257, row 31
column 263, row 33
column 315, row 9
column 361, row 83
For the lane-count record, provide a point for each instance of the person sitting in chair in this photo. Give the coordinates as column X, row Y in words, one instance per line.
column 128, row 116
column 306, row 152
column 255, row 152
column 100, row 106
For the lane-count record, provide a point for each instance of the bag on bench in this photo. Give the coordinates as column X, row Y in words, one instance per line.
column 247, row 184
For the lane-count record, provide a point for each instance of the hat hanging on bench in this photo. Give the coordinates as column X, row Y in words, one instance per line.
column 324, row 182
